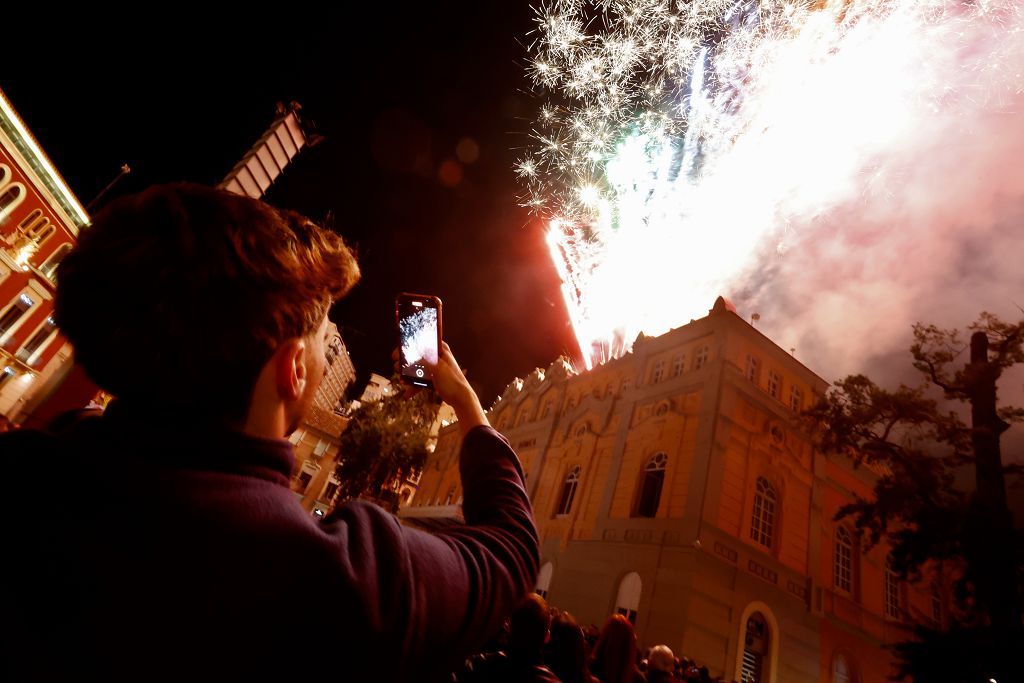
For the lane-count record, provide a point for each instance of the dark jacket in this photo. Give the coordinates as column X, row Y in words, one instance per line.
column 502, row 668
column 141, row 550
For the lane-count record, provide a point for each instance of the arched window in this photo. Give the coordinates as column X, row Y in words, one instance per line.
column 572, row 480
column 842, row 672
column 546, row 410
column 627, row 601
column 892, row 591
column 5, row 174
column 11, row 195
column 842, row 561
column 653, row 478
column 762, row 519
column 756, row 648
column 524, row 413
column 544, row 580
column 30, row 220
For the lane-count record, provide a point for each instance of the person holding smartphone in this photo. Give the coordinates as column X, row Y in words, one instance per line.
column 170, row 546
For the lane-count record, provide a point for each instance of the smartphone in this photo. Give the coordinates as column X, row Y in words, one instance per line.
column 419, row 332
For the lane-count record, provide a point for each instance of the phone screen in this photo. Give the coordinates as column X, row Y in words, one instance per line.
column 419, row 327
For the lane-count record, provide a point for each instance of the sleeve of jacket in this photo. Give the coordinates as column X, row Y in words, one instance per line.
column 440, row 596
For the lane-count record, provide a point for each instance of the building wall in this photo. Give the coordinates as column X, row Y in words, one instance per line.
column 720, row 401
column 316, row 441
column 23, row 260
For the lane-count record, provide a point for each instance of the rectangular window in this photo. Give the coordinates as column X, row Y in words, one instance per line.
column 774, row 384
column 37, row 340
column 892, row 594
column 701, row 358
column 306, row 474
column 659, row 372
column 320, row 448
column 796, row 399
column 296, row 436
column 678, row 363
column 14, row 313
column 753, row 369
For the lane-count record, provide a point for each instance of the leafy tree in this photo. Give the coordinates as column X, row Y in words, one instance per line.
column 385, row 441
column 923, row 509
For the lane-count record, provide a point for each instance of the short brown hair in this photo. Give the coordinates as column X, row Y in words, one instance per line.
column 180, row 294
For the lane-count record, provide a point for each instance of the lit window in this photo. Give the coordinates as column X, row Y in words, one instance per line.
column 842, row 561
column 653, row 478
column 6, row 375
column 762, row 522
column 568, row 491
column 774, row 384
column 320, row 448
column 296, row 436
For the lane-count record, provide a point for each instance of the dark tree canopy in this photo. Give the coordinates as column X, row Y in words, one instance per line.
column 938, row 527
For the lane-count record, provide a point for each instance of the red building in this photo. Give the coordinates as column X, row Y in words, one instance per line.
column 39, row 223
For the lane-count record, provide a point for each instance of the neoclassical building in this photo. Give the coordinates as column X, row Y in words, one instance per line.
column 674, row 486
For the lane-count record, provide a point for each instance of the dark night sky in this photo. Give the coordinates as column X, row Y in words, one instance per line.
column 394, row 89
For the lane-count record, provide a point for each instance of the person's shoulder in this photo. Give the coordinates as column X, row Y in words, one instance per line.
column 542, row 674
column 24, row 442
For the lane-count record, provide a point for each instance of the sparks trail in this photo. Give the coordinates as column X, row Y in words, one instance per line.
column 678, row 143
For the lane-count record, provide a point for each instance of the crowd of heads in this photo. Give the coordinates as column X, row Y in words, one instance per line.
column 555, row 645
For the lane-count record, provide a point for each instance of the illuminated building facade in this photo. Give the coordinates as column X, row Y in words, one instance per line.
column 39, row 223
column 675, row 486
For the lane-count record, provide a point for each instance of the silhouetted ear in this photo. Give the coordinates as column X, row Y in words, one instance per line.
column 290, row 369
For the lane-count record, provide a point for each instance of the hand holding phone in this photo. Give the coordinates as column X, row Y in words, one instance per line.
column 419, row 330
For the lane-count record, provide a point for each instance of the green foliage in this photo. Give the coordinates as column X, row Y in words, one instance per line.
column 384, row 441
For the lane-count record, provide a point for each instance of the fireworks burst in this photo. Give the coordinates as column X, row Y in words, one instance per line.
column 680, row 141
